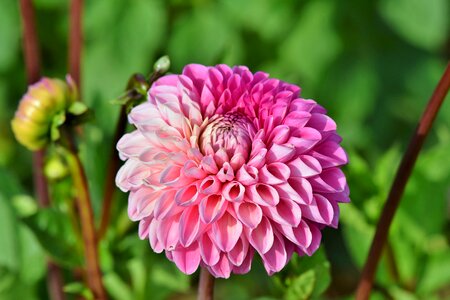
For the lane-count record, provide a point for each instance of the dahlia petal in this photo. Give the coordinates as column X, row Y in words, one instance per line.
column 192, row 170
column 144, row 227
column 223, row 267
column 263, row 194
column 209, row 251
column 168, row 233
column 300, row 104
column 279, row 135
column 300, row 235
column 303, row 188
column 305, row 139
column 165, row 206
column 321, row 122
column 281, row 153
column 187, row 259
column 211, row 208
column 237, row 255
column 330, row 154
column 156, row 245
column 247, row 175
column 246, row 265
column 297, row 119
column 141, row 203
column 221, row 157
column 188, row 195
column 286, row 212
column 250, row 214
column 197, row 73
column 131, row 145
column 189, row 226
column 329, row 181
column 209, row 165
column 305, row 166
column 274, row 173
column 319, row 210
column 226, row 173
column 233, row 191
column 226, row 231
column 316, row 238
column 210, row 185
column 276, row 258
column 261, row 237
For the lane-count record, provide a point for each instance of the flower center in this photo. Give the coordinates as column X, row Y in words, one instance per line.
column 232, row 132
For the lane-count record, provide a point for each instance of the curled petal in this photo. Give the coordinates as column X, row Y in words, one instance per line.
column 226, row 231
column 187, row 259
column 281, row 153
column 212, row 207
column 188, row 195
column 274, row 173
column 189, row 226
column 210, row 185
column 305, row 166
column 263, row 194
column 250, row 214
column 247, row 175
column 329, row 181
column 209, row 251
column 226, row 173
column 238, row 253
column 261, row 237
column 286, row 212
column 233, row 191
column 276, row 258
column 319, row 210
column 223, row 267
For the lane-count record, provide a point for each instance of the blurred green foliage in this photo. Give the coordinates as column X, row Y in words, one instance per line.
column 372, row 64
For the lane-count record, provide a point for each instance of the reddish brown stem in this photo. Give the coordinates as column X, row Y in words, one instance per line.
column 93, row 273
column 205, row 285
column 398, row 186
column 113, row 167
column 33, row 69
column 75, row 40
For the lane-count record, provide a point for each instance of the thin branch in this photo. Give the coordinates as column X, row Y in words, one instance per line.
column 33, row 70
column 93, row 273
column 205, row 285
column 401, row 178
column 75, row 40
column 113, row 167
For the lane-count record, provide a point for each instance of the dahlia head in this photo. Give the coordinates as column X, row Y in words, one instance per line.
column 43, row 109
column 225, row 163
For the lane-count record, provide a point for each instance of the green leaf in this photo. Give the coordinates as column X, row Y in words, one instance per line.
column 116, row 287
column 9, row 251
column 423, row 23
column 302, row 287
column 78, row 288
column 9, row 33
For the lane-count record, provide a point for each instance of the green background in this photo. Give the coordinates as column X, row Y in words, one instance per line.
column 372, row 64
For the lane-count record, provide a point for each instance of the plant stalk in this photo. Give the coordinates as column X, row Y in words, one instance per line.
column 75, row 40
column 205, row 285
column 398, row 186
column 83, row 200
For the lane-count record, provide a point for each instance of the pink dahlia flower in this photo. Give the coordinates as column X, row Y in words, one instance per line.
column 225, row 163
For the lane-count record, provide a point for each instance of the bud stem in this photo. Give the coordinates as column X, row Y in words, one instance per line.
column 93, row 274
column 401, row 178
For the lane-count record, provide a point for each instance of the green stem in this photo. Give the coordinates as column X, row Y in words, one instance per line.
column 93, row 274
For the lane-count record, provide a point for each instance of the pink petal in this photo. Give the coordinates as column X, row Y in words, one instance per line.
column 249, row 214
column 209, row 165
column 188, row 195
column 321, row 122
column 189, row 226
column 156, row 245
column 263, row 194
column 144, row 227
column 316, row 238
column 209, row 251
column 187, row 259
column 247, row 175
column 226, row 173
column 212, row 207
column 276, row 258
column 233, row 191
column 330, row 154
column 168, row 233
column 281, row 153
column 305, row 166
column 226, row 231
column 192, row 170
column 304, row 139
column 261, row 237
column 246, row 264
column 329, row 181
column 274, row 173
column 286, row 212
column 258, row 160
column 238, row 253
column 223, row 267
column 297, row 119
column 165, row 206
column 210, row 185
column 279, row 135
column 319, row 210
column 300, row 235
column 141, row 203
column 132, row 144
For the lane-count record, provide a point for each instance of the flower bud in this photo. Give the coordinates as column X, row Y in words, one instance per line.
column 162, row 65
column 44, row 101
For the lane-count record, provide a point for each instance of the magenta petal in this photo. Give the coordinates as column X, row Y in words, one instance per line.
column 250, row 214
column 209, row 251
column 187, row 259
column 209, row 164
column 226, row 173
column 233, row 191
column 281, row 153
column 261, row 237
column 246, row 264
column 279, row 135
column 226, row 231
column 316, row 238
column 305, row 166
column 286, row 212
column 189, row 226
column 263, row 194
column 212, row 207
column 319, row 210
column 300, row 235
column 303, row 189
column 329, row 181
column 321, row 122
column 330, row 154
